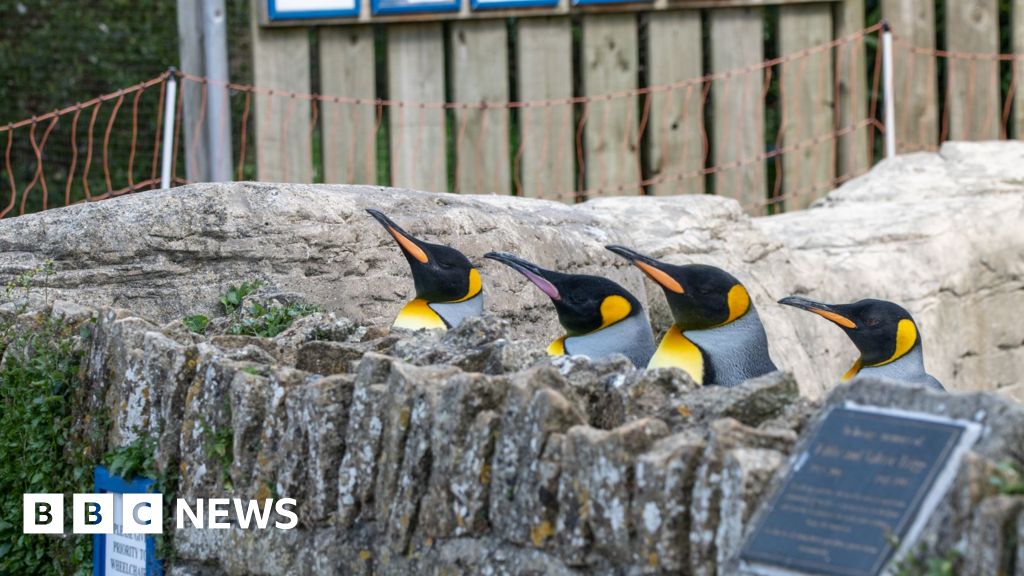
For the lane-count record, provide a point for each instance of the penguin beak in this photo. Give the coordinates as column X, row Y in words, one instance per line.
column 406, row 241
column 649, row 266
column 532, row 272
column 824, row 310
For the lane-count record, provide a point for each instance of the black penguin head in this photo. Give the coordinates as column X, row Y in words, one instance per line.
column 882, row 331
column 441, row 273
column 698, row 295
column 584, row 303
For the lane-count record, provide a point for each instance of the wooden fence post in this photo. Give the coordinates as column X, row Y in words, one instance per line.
column 544, row 72
column 854, row 158
column 737, row 42
column 416, row 77
column 479, row 63
column 611, row 147
column 283, row 139
column 974, row 104
column 806, row 96
column 915, row 87
column 348, row 130
column 676, row 144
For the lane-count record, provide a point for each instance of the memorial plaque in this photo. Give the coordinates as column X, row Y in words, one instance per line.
column 865, row 483
column 122, row 553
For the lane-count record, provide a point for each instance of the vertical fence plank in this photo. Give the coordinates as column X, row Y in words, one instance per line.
column 190, row 48
column 544, row 72
column 853, row 88
column 806, row 95
column 479, row 63
column 611, row 152
column 736, row 42
column 1017, row 73
column 915, row 87
column 283, row 141
column 348, row 130
column 415, row 77
column 675, row 126
column 974, row 107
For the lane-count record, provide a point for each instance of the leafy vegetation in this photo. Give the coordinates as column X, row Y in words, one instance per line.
column 269, row 321
column 197, row 323
column 1008, row 478
column 915, row 565
column 38, row 452
column 232, row 299
column 135, row 459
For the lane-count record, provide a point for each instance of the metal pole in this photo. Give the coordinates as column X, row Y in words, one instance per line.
column 887, row 92
column 215, row 59
column 170, row 105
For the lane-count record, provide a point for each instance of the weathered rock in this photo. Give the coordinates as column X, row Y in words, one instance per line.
column 937, row 232
column 735, row 459
column 751, row 403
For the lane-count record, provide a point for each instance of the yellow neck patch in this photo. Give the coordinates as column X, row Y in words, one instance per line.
column 906, row 337
column 853, row 370
column 475, row 285
column 557, row 348
column 613, row 309
column 739, row 302
column 418, row 314
column 678, row 351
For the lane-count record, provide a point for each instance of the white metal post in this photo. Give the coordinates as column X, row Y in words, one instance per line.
column 170, row 105
column 887, row 91
column 215, row 59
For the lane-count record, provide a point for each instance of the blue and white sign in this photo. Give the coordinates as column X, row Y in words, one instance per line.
column 592, row 2
column 413, row 6
column 278, row 10
column 499, row 4
column 122, row 553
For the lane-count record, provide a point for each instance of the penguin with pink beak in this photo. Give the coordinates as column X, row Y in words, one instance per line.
column 599, row 316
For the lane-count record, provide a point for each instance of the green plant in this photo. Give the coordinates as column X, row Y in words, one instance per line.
column 232, row 299
column 39, row 451
column 269, row 321
column 135, row 459
column 196, row 323
column 20, row 287
column 918, row 565
column 1007, row 478
column 222, row 446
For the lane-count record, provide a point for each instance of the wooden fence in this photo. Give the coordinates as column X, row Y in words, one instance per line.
column 569, row 107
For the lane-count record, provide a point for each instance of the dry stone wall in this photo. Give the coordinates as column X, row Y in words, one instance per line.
column 938, row 232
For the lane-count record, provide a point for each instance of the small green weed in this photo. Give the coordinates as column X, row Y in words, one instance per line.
column 271, row 320
column 1007, row 478
column 915, row 565
column 196, row 323
column 232, row 299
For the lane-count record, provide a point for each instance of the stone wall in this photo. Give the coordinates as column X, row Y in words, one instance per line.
column 939, row 233
column 473, row 452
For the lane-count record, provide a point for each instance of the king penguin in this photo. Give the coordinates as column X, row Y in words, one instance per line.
column 599, row 316
column 884, row 333
column 717, row 336
column 448, row 287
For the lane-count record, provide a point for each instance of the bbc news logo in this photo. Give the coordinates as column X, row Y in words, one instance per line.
column 143, row 513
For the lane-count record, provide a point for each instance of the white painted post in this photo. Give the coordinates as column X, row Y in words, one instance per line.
column 887, row 91
column 170, row 105
column 215, row 60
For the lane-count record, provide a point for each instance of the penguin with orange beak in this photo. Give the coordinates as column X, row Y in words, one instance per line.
column 599, row 316
column 448, row 287
column 716, row 335
column 884, row 333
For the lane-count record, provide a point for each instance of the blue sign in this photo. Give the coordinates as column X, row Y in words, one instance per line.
column 412, row 6
column 497, row 4
column 278, row 10
column 591, row 2
column 121, row 553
